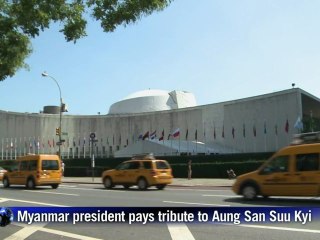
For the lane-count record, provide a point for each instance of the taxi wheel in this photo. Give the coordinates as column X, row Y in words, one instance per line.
column 126, row 186
column 142, row 183
column 249, row 192
column 107, row 181
column 30, row 183
column 6, row 182
column 55, row 186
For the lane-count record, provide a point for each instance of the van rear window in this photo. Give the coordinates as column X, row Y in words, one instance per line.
column 50, row 165
column 162, row 165
column 307, row 162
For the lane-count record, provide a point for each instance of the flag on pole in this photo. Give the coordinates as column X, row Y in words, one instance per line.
column 146, row 135
column 276, row 129
column 153, row 135
column 233, row 132
column 223, row 131
column 286, row 128
column 196, row 135
column 162, row 136
column 176, row 133
column 244, row 130
column 187, row 133
column 298, row 125
column 254, row 131
column 214, row 133
column 265, row 127
column 169, row 136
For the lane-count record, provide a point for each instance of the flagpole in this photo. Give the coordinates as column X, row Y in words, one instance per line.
column 15, row 148
column 171, row 145
column 11, row 146
column 205, row 139
column 196, row 141
column 179, row 144
column 2, row 149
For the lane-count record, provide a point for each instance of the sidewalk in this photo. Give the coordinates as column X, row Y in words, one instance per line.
column 181, row 182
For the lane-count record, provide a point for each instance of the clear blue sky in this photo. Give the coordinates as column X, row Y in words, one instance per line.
column 219, row 50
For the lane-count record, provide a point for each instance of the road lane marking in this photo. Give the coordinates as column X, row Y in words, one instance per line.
column 33, row 202
column 218, row 195
column 198, row 190
column 67, row 194
column 3, row 200
column 92, row 189
column 180, row 232
column 30, row 229
column 66, row 234
column 70, row 186
column 280, row 228
column 25, row 232
column 191, row 203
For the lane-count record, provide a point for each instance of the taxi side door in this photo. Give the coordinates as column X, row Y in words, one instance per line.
column 276, row 177
column 307, row 174
column 121, row 172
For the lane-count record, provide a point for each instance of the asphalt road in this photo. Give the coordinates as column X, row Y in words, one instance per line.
column 72, row 194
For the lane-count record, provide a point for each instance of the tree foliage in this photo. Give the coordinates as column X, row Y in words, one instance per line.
column 21, row 20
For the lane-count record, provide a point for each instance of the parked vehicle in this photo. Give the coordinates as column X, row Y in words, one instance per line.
column 2, row 172
column 34, row 170
column 292, row 171
column 142, row 171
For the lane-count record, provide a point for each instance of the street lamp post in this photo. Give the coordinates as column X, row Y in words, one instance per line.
column 44, row 74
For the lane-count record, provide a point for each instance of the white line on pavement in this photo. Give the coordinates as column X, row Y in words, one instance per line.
column 212, row 195
column 25, row 232
column 198, row 190
column 180, row 232
column 280, row 228
column 204, row 204
column 32, row 202
column 30, row 229
column 67, row 194
column 67, row 186
column 92, row 189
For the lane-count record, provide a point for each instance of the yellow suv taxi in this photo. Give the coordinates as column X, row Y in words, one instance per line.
column 292, row 171
column 34, row 170
column 141, row 171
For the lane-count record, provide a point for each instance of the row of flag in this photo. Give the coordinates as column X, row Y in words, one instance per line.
column 81, row 142
column 176, row 133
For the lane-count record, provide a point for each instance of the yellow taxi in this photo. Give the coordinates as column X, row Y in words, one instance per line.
column 292, row 171
column 34, row 170
column 2, row 172
column 142, row 171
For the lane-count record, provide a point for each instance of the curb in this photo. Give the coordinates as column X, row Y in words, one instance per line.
column 171, row 185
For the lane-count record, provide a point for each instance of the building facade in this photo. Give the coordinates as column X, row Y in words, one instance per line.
column 256, row 124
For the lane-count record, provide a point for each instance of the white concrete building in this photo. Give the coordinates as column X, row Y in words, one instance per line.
column 255, row 124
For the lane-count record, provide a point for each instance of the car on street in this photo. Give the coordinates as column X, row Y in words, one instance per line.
column 34, row 170
column 292, row 171
column 2, row 172
column 142, row 171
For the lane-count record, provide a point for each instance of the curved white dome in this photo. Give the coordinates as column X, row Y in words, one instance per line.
column 153, row 100
column 145, row 93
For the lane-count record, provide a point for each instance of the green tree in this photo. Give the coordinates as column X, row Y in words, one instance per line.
column 21, row 20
